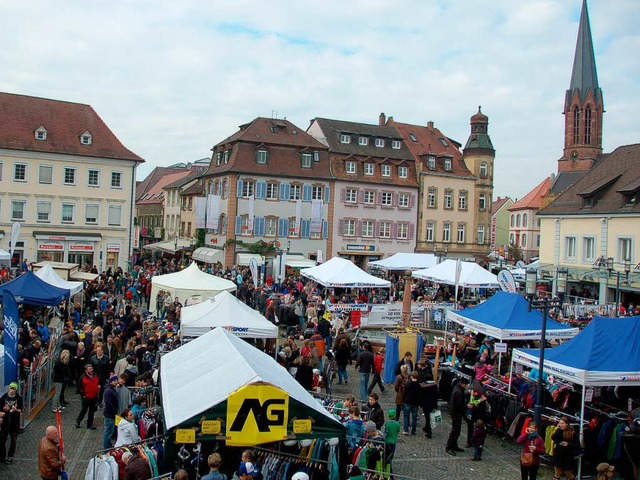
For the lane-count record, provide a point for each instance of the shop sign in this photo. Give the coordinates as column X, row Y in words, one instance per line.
column 50, row 246
column 361, row 248
column 348, row 307
column 185, row 435
column 211, row 427
column 209, row 239
column 257, row 414
column 501, row 347
column 302, row 426
column 84, row 247
column 113, row 247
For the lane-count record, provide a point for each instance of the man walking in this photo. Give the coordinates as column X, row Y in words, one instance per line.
column 111, row 408
column 89, row 386
column 457, row 408
column 11, row 406
column 378, row 361
column 50, row 460
column 364, row 364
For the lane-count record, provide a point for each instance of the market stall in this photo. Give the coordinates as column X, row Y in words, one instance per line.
column 470, row 274
column 48, row 274
column 32, row 290
column 341, row 273
column 406, row 261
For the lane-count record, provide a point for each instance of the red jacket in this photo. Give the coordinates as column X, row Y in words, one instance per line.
column 89, row 386
column 378, row 360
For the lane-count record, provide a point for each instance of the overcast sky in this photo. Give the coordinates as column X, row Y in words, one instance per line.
column 173, row 78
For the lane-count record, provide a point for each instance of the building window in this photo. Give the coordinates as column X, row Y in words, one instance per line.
column 317, row 192
column 431, row 162
column 570, row 248
column 316, row 156
column 429, row 233
column 44, row 212
column 306, row 159
column 403, row 172
column 351, row 195
column 369, row 197
column 345, row 138
column 512, row 239
column 350, row 167
column 379, row 142
column 368, row 168
column 94, row 178
column 448, row 199
column 86, row 138
column 483, row 170
column 403, row 231
column 115, row 215
column 482, row 201
column 67, row 212
column 461, row 228
column 431, row 198
column 349, row 229
column 272, row 191
column 218, row 158
column 41, row 134
column 18, row 209
column 69, row 176
column 446, row 232
column 20, row 172
column 589, row 249
column 116, row 179
column 45, row 174
column 403, row 200
column 367, row 228
column 295, row 191
column 247, row 188
column 225, row 157
column 523, row 240
column 447, row 164
column 386, row 170
column 395, row 144
column 480, row 235
column 387, row 199
column 384, row 229
column 525, row 219
column 513, row 220
column 462, row 201
column 363, row 141
column 587, row 125
column 537, row 240
column 518, row 220
column 262, row 156
column 624, row 249
column 576, row 125
column 270, row 227
column 91, row 214
column 413, row 137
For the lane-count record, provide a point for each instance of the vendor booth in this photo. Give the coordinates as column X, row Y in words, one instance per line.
column 341, row 273
column 31, row 290
column 406, row 261
column 226, row 311
column 223, row 393
column 188, row 283
column 471, row 275
column 48, row 274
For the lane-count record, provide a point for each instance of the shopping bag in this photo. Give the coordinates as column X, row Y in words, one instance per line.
column 118, row 420
column 435, row 418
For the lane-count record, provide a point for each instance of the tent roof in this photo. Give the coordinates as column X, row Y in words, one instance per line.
column 4, row 255
column 226, row 311
column 407, row 261
column 168, row 246
column 339, row 272
column 201, row 374
column 506, row 316
column 29, row 289
column 605, row 353
column 471, row 274
column 192, row 278
column 48, row 274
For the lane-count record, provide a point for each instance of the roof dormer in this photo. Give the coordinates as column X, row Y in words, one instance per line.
column 86, row 138
column 41, row 133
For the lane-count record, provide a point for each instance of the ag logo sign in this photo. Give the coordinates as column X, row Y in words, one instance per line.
column 257, row 414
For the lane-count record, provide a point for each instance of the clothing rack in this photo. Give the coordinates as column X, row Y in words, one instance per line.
column 289, row 456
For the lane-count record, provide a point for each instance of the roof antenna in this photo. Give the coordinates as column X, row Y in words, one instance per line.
column 274, row 114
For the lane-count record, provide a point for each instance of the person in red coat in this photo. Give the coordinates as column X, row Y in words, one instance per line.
column 534, row 444
column 89, row 386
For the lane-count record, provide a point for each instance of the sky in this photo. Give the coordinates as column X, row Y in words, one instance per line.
column 173, row 78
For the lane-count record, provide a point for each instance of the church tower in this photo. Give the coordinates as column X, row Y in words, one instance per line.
column 583, row 106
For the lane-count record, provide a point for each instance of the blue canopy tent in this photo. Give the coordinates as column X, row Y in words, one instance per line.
column 29, row 289
column 506, row 316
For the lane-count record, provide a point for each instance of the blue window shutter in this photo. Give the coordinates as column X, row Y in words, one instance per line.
column 287, row 191
column 259, row 226
column 285, row 223
column 261, row 188
column 325, row 229
column 282, row 230
column 283, row 191
column 238, row 225
column 305, row 227
column 306, row 193
column 327, row 193
column 239, row 189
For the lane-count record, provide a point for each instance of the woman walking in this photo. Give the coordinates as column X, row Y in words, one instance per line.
column 565, row 443
column 532, row 448
column 61, row 374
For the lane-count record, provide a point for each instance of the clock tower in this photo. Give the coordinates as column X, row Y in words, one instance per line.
column 583, row 106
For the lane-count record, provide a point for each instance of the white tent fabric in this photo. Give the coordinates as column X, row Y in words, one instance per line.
column 169, row 246
column 407, row 261
column 48, row 274
column 225, row 311
column 244, row 259
column 298, row 261
column 4, row 255
column 208, row 255
column 202, row 374
column 190, row 282
column 471, row 274
column 339, row 272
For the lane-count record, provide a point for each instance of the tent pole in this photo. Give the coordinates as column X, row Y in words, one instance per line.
column 584, row 390
column 510, row 373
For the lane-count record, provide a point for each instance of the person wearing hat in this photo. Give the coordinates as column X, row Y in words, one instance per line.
column 457, row 410
column 391, row 431
column 111, row 408
column 11, row 405
column 605, row 471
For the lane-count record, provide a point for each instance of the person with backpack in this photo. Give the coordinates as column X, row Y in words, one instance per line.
column 532, row 448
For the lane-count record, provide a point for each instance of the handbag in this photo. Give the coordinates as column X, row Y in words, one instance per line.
column 526, row 459
column 435, row 418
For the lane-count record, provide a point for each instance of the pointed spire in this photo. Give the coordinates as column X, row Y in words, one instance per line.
column 584, row 75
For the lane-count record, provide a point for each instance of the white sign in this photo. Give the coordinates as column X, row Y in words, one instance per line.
column 506, row 281
column 391, row 314
column 253, row 266
column 501, row 347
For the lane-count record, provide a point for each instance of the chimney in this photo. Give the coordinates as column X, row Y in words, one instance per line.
column 382, row 119
column 430, row 125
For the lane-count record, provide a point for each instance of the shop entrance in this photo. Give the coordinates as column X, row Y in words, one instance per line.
column 81, row 259
column 44, row 256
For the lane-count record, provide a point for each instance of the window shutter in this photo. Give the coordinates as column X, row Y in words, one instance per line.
column 327, row 194
column 283, row 191
column 306, row 193
column 343, row 195
column 238, row 225
column 379, row 198
column 360, row 196
column 340, row 227
column 259, row 226
column 261, row 190
column 359, row 228
column 394, row 230
column 282, row 230
column 411, row 231
column 239, row 187
column 305, row 227
column 287, row 191
column 325, row 229
column 412, row 200
column 285, row 223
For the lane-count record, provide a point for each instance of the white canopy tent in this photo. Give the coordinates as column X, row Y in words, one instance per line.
column 225, row 311
column 471, row 275
column 341, row 273
column 406, row 261
column 190, row 282
column 169, row 246
column 298, row 261
column 208, row 255
column 4, row 255
column 48, row 274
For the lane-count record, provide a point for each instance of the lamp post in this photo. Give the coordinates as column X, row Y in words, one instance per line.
column 175, row 244
column 279, row 276
column 610, row 268
column 543, row 305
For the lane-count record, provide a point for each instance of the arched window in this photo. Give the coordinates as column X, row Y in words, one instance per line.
column 518, row 220
column 483, row 170
column 524, row 220
column 512, row 238
column 513, row 217
column 576, row 125
column 523, row 240
column 587, row 125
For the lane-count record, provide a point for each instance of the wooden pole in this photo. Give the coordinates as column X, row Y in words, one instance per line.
column 436, row 365
column 453, row 357
column 406, row 300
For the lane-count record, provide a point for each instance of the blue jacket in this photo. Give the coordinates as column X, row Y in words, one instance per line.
column 111, row 402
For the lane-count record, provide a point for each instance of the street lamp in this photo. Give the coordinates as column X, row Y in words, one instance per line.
column 280, row 265
column 610, row 268
column 175, row 244
column 544, row 305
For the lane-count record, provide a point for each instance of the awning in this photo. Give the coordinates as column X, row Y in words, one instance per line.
column 245, row 258
column 208, row 255
column 90, row 277
column 168, row 246
column 298, row 261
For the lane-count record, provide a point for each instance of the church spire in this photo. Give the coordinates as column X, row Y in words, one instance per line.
column 584, row 76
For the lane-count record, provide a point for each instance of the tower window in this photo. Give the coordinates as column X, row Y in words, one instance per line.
column 576, row 125
column 483, row 170
column 587, row 125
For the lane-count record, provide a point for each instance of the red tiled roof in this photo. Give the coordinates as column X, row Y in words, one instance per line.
column 497, row 204
column 533, row 199
column 21, row 116
column 156, row 174
column 156, row 192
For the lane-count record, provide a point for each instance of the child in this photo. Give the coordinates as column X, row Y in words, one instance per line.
column 215, row 461
column 248, row 466
column 391, row 431
column 477, row 440
column 355, row 428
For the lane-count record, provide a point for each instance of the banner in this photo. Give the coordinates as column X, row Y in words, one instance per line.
column 15, row 234
column 316, row 217
column 296, row 232
column 213, row 212
column 257, row 414
column 252, row 213
column 10, row 311
column 506, row 281
column 253, row 266
column 201, row 211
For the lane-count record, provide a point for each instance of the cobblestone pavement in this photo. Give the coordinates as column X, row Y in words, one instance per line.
column 416, row 456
